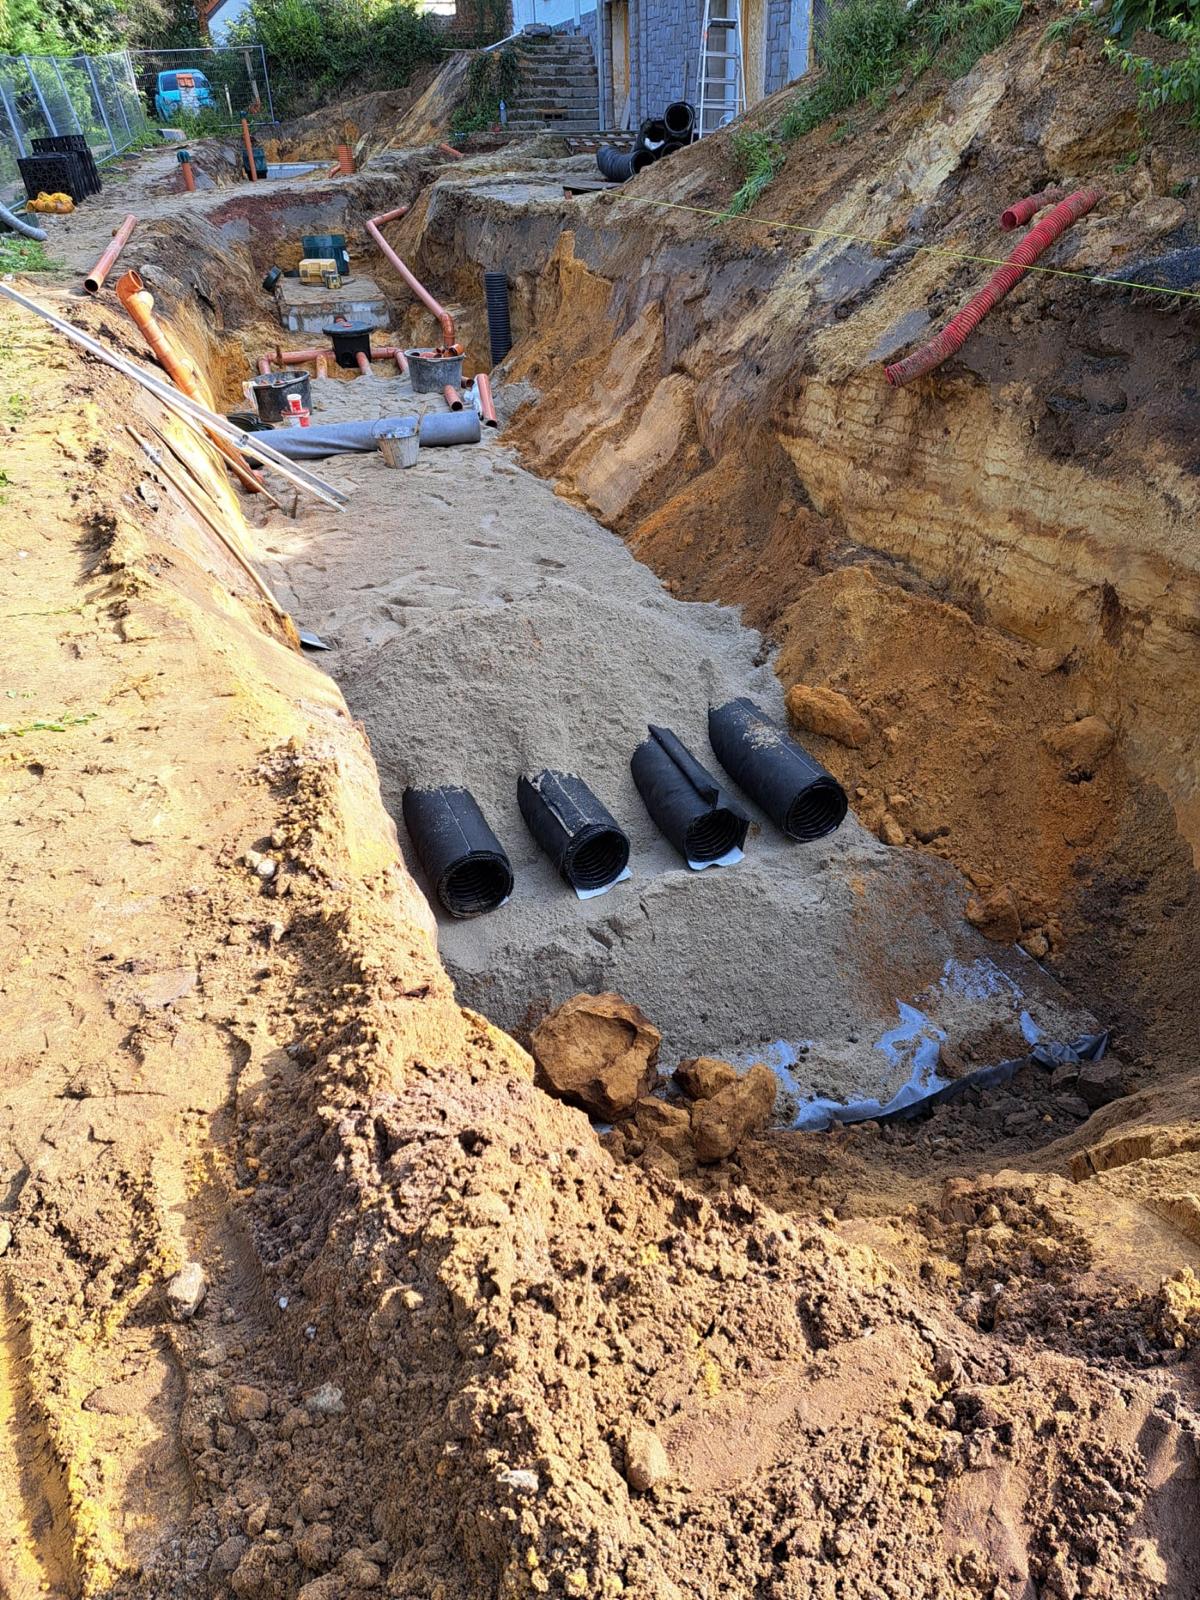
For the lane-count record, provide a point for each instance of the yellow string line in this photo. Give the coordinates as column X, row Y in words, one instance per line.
column 892, row 244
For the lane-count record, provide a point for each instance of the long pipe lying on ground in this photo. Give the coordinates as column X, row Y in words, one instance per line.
column 486, row 408
column 960, row 328
column 95, row 278
column 198, row 417
column 418, row 288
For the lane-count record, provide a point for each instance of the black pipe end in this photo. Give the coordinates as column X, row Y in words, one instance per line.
column 596, row 860
column 574, row 828
column 715, row 834
column 821, row 809
column 464, row 859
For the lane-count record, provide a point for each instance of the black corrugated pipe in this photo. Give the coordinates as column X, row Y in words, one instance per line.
column 464, row 859
column 495, row 291
column 575, row 830
column 618, row 165
column 795, row 791
column 653, row 137
column 679, row 119
column 685, row 800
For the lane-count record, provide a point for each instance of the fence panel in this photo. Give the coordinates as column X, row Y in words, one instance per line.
column 93, row 95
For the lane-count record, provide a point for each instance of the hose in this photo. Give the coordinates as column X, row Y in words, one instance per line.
column 575, row 830
column 19, row 225
column 1022, row 210
column 800, row 797
column 463, row 858
column 685, row 800
column 959, row 329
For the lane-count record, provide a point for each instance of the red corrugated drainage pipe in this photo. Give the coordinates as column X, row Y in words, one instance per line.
column 960, row 328
column 1022, row 210
column 419, row 289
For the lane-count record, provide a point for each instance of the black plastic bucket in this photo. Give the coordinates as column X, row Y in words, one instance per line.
column 465, row 861
column 779, row 775
column 271, row 390
column 686, row 801
column 575, row 830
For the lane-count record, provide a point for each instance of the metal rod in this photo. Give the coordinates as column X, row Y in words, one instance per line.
column 199, row 416
column 10, row 113
column 91, row 72
column 70, row 104
column 41, row 98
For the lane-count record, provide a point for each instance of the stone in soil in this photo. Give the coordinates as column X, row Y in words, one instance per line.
column 719, row 1125
column 599, row 1052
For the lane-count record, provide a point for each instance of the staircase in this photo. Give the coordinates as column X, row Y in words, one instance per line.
column 558, row 91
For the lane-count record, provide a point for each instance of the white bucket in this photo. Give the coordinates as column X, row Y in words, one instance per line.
column 400, row 445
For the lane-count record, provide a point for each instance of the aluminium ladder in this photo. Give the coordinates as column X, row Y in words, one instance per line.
column 722, row 78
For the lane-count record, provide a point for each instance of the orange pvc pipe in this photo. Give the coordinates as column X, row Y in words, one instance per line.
column 449, row 150
column 345, row 160
column 419, row 289
column 189, row 181
column 264, row 366
column 453, row 399
column 297, row 358
column 487, row 409
column 95, row 278
column 364, row 363
column 139, row 303
column 322, row 367
column 249, row 150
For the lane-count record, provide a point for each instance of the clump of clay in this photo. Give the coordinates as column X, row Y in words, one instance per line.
column 703, row 1076
column 996, row 916
column 1080, row 746
column 646, row 1461
column 721, row 1123
column 599, row 1052
column 829, row 713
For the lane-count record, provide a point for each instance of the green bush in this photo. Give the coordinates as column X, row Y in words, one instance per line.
column 1160, row 83
column 317, row 48
column 863, row 49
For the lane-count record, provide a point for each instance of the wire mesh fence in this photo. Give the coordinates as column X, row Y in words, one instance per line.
column 95, row 96
column 210, row 86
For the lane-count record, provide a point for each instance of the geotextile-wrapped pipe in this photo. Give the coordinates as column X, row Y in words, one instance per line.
column 574, row 828
column 687, row 803
column 800, row 797
column 463, row 858
column 450, row 427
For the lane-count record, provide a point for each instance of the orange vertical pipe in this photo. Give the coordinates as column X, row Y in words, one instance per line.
column 95, row 278
column 189, row 180
column 249, row 150
column 345, row 159
column 364, row 363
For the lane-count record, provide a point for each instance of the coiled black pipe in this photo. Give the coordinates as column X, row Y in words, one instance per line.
column 575, row 830
column 495, row 292
column 685, row 800
column 464, row 859
column 795, row 791
column 653, row 136
column 619, row 165
column 679, row 119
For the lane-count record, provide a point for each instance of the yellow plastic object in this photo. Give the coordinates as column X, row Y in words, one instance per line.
column 59, row 203
column 316, row 269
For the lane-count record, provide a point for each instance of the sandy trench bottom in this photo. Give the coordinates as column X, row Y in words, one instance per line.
column 481, row 627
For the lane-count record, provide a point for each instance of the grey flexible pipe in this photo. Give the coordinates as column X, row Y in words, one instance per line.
column 18, row 226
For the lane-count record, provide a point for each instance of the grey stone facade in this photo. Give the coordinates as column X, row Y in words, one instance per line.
column 664, row 45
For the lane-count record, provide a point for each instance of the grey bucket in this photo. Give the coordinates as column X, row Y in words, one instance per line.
column 430, row 374
column 400, row 443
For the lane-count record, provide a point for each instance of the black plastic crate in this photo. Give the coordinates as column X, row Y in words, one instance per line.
column 61, row 173
column 71, row 142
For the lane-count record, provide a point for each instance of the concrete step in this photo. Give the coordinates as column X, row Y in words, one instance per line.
column 583, row 98
column 565, row 80
column 573, row 126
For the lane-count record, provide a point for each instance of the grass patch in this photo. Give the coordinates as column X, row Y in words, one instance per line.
column 18, row 254
column 18, row 730
column 864, row 48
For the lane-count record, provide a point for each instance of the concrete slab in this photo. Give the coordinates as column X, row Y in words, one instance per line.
column 304, row 308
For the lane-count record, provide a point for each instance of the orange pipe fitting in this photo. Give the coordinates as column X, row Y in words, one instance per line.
column 419, row 289
column 95, row 278
column 487, row 409
column 139, row 303
column 189, row 178
column 364, row 363
column 322, row 367
column 264, row 366
column 453, row 399
column 249, row 150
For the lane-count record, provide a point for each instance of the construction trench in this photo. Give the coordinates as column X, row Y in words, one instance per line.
column 315, row 1280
